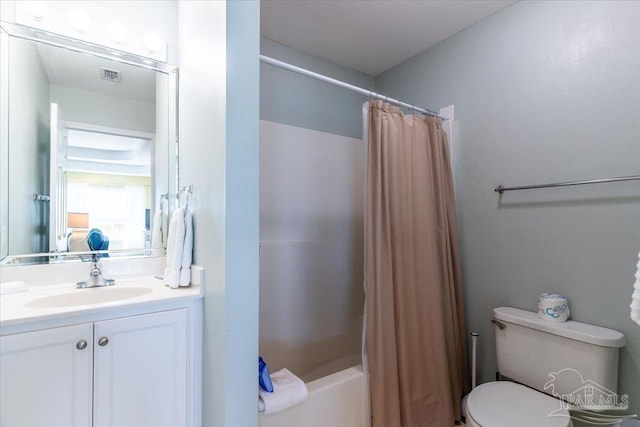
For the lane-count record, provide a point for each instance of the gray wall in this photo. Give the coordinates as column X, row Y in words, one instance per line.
column 543, row 92
column 29, row 149
column 293, row 99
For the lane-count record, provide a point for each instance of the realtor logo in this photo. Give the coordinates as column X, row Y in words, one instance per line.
column 589, row 395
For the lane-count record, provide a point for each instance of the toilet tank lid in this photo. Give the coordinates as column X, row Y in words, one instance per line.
column 570, row 329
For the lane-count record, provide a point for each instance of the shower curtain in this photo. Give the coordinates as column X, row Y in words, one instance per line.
column 415, row 331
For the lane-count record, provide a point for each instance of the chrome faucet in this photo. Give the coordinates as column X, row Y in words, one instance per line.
column 95, row 277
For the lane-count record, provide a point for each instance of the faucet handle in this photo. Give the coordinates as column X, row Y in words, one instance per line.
column 95, row 270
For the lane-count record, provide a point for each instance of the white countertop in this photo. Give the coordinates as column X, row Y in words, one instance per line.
column 57, row 301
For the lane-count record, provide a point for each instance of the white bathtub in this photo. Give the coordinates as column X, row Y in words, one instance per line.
column 336, row 400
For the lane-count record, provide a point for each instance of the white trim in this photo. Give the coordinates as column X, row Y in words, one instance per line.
column 110, row 130
column 447, row 125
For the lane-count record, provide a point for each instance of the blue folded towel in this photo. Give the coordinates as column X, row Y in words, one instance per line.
column 97, row 241
column 264, row 379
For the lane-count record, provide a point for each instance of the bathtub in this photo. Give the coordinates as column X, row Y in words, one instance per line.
column 336, row 400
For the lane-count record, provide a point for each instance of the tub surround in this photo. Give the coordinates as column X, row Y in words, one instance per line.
column 311, row 295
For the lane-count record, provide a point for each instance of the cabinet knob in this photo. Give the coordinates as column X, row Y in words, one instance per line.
column 103, row 341
column 81, row 345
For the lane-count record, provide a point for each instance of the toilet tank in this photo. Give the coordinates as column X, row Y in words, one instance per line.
column 555, row 358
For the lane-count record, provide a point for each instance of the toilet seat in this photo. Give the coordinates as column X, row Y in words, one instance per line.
column 507, row 404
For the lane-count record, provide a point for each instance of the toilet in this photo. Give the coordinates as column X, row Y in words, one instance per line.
column 543, row 360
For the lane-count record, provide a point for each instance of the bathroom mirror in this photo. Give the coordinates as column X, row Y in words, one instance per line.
column 88, row 140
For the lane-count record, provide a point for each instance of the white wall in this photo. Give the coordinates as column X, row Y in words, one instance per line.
column 311, row 247
column 28, row 163
column 4, row 145
column 104, row 110
column 218, row 44
column 7, row 10
column 201, row 27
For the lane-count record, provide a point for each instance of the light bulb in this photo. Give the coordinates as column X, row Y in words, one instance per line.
column 80, row 20
column 117, row 32
column 37, row 9
column 153, row 42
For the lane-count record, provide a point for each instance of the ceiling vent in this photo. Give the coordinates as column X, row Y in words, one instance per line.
column 111, row 75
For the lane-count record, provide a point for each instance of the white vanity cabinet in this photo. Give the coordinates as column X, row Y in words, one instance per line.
column 46, row 377
column 123, row 372
column 140, row 371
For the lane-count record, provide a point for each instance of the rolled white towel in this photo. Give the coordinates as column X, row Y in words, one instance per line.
column 175, row 245
column 187, row 250
column 635, row 298
column 157, row 237
column 288, row 390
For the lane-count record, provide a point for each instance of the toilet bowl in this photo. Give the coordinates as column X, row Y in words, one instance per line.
column 544, row 360
column 507, row 404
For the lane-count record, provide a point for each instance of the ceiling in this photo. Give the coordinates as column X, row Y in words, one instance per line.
column 369, row 35
column 82, row 71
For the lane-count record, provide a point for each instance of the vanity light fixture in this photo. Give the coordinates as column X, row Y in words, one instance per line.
column 153, row 42
column 80, row 20
column 117, row 32
column 37, row 9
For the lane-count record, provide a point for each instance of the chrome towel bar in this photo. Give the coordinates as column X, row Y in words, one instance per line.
column 40, row 198
column 500, row 189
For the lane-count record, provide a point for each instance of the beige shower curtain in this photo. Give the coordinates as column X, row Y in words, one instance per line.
column 415, row 331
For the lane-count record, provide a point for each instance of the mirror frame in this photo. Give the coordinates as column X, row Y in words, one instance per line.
column 8, row 30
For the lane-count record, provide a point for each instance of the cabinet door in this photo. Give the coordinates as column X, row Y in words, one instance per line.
column 46, row 378
column 140, row 372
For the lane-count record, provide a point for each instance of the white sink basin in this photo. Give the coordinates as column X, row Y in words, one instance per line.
column 87, row 296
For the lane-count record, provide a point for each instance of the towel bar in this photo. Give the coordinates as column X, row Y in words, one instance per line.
column 500, row 189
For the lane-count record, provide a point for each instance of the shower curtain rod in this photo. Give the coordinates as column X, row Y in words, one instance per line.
column 345, row 85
